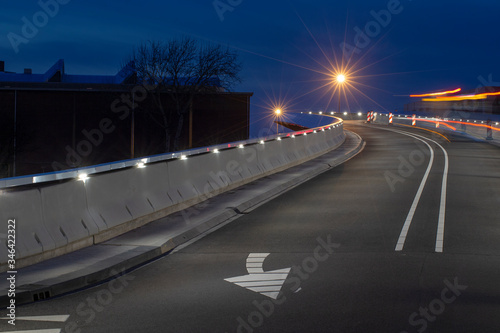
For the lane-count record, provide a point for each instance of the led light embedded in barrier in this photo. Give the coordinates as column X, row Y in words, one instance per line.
column 241, row 146
column 83, row 177
column 293, row 135
column 321, row 112
column 141, row 165
column 261, row 142
column 345, row 113
column 183, row 157
column 310, row 112
column 279, row 138
column 216, row 151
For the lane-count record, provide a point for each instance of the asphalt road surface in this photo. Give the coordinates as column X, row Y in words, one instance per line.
column 405, row 237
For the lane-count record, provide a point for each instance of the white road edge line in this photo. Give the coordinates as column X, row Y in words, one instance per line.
column 54, row 330
column 56, row 318
column 442, row 204
column 409, row 218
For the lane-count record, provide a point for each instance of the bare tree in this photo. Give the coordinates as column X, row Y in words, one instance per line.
column 180, row 69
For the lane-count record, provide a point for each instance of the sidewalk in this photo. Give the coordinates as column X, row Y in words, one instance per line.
column 104, row 261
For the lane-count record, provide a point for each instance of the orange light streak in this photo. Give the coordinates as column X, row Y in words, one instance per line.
column 451, row 99
column 461, row 98
column 447, row 122
column 425, row 129
column 438, row 93
column 441, row 122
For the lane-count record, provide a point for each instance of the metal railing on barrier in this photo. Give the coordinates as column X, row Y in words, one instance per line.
column 83, row 172
column 486, row 127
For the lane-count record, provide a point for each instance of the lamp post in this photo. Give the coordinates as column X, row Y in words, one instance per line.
column 340, row 81
column 15, row 131
column 277, row 112
column 132, row 128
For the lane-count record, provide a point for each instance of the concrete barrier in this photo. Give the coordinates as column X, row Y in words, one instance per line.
column 469, row 127
column 25, row 207
column 60, row 217
column 117, row 197
column 66, row 216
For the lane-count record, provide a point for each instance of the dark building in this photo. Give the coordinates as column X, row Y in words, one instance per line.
column 55, row 121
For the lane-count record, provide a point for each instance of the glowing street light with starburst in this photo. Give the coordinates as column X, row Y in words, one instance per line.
column 341, row 79
column 278, row 112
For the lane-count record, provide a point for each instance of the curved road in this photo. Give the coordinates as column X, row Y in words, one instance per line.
column 324, row 257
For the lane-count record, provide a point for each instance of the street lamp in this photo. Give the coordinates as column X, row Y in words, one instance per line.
column 277, row 112
column 340, row 81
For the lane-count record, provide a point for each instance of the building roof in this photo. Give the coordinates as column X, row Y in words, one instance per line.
column 55, row 78
column 56, row 73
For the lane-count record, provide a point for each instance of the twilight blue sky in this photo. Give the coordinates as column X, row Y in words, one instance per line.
column 284, row 46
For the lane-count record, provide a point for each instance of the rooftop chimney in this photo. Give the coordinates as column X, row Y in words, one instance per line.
column 27, row 71
column 2, row 66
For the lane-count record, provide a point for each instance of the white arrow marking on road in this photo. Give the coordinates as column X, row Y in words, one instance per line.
column 59, row 318
column 56, row 318
column 266, row 283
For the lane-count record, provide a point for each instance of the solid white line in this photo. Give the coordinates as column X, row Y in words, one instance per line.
column 57, row 318
column 409, row 218
column 442, row 204
column 56, row 330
